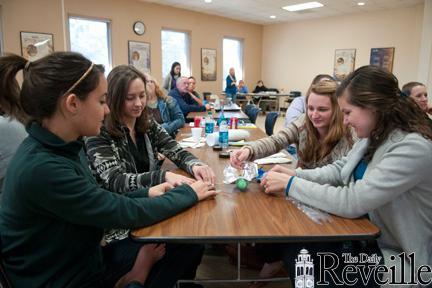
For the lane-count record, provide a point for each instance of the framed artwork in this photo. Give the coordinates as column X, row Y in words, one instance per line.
column 382, row 57
column 139, row 55
column 36, row 45
column 344, row 62
column 208, row 64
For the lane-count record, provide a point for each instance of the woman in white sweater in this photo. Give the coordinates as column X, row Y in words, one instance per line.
column 387, row 174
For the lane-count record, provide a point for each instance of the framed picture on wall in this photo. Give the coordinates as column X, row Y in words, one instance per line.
column 36, row 45
column 382, row 57
column 208, row 64
column 139, row 55
column 344, row 62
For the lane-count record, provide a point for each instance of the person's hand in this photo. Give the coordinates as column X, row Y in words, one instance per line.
column 205, row 173
column 238, row 157
column 284, row 170
column 207, row 106
column 160, row 189
column 177, row 179
column 275, row 183
column 203, row 189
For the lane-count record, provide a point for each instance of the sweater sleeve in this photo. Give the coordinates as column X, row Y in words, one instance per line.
column 171, row 149
column 403, row 166
column 273, row 144
column 110, row 171
column 57, row 189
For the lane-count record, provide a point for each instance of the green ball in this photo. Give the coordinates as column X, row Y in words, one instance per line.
column 242, row 184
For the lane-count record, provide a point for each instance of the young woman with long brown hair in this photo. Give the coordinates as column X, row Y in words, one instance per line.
column 320, row 135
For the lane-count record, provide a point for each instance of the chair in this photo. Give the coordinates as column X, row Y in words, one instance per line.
column 247, row 108
column 253, row 114
column 270, row 122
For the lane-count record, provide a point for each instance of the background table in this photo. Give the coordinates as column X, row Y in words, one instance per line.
column 228, row 114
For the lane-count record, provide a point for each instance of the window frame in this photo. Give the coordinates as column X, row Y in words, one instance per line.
column 89, row 18
column 188, row 48
column 241, row 41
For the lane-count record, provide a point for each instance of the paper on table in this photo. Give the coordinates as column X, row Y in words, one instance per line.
column 191, row 139
column 191, row 144
column 278, row 158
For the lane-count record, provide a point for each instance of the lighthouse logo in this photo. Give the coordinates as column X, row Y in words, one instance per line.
column 304, row 270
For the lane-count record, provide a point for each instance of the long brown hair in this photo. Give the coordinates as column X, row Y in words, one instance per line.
column 45, row 81
column 371, row 87
column 315, row 150
column 119, row 80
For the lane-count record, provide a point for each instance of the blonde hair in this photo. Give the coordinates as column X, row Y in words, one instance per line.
column 160, row 93
column 315, row 150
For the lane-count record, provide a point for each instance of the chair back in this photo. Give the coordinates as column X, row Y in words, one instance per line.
column 253, row 114
column 270, row 122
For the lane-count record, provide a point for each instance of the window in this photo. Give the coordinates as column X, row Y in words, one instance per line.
column 232, row 57
column 175, row 48
column 91, row 38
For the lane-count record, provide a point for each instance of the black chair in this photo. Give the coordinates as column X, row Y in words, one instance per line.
column 253, row 114
column 270, row 122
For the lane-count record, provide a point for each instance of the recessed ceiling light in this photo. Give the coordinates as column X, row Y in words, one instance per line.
column 361, row 3
column 303, row 6
column 273, row 17
column 207, row 1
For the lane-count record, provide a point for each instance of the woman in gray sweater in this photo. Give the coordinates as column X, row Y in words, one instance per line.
column 386, row 175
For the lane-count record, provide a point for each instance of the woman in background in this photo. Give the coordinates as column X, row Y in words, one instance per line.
column 260, row 87
column 170, row 80
column 163, row 108
column 418, row 92
column 231, row 84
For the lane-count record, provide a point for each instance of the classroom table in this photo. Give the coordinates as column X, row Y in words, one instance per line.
column 251, row 216
column 228, row 114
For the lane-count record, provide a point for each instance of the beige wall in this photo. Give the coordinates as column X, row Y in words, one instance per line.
column 301, row 50
column 206, row 31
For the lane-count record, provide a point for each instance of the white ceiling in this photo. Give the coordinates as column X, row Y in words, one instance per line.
column 259, row 11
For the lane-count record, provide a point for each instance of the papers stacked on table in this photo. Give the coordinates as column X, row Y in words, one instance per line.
column 278, row 158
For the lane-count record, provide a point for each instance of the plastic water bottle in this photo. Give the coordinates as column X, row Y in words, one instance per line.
column 223, row 133
column 209, row 124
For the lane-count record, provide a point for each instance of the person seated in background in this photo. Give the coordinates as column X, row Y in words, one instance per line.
column 194, row 94
column 260, row 87
column 231, row 84
column 386, row 172
column 171, row 78
column 12, row 133
column 242, row 88
column 185, row 101
column 298, row 105
column 321, row 138
column 54, row 211
column 162, row 107
column 418, row 92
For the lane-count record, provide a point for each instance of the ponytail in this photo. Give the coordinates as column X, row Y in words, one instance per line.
column 10, row 91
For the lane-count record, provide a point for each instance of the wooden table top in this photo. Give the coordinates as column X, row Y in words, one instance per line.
column 250, row 216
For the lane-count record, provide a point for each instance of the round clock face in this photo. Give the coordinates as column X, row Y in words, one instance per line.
column 139, row 28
